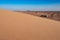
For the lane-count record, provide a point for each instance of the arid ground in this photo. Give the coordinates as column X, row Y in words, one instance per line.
column 20, row 26
column 54, row 15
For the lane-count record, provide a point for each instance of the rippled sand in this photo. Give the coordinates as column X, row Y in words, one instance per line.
column 20, row 26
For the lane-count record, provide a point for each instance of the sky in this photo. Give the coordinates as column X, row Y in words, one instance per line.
column 33, row 5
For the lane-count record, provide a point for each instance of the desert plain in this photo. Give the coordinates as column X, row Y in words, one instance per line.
column 20, row 26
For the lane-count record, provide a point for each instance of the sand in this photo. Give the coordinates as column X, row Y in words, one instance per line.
column 20, row 26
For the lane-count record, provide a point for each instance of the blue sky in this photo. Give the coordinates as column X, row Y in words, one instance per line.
column 35, row 5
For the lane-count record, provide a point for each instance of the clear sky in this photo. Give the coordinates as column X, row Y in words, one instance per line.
column 35, row 5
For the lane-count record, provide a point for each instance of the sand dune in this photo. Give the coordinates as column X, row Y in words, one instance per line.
column 19, row 26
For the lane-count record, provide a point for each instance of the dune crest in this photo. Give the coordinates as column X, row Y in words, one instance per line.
column 20, row 26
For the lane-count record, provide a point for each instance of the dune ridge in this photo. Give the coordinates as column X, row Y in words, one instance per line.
column 20, row 26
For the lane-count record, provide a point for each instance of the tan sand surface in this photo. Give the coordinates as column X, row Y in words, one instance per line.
column 20, row 26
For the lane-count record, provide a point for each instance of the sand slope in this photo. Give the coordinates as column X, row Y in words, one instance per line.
column 19, row 26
